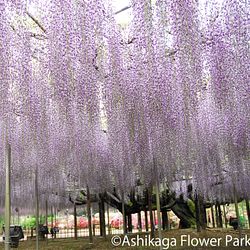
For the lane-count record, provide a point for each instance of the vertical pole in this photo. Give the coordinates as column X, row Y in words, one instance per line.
column 237, row 211
column 104, row 219
column 219, row 215
column 216, row 215
column 52, row 223
column 158, row 205
column 165, row 221
column 130, row 226
column 139, row 221
column 18, row 217
column 55, row 216
column 109, row 231
column 151, row 212
column 102, row 216
column 146, row 219
column 55, row 222
column 93, row 229
column 75, row 221
column 46, row 213
column 67, row 231
column 37, row 209
column 203, row 213
column 154, row 220
column 212, row 213
column 248, row 212
column 124, row 215
column 89, row 216
column 7, row 214
column 46, row 217
column 225, row 216
column 197, row 213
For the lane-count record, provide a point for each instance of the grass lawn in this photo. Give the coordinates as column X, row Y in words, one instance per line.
column 102, row 244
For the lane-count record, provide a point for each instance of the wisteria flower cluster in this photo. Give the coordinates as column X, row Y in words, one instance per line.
column 91, row 103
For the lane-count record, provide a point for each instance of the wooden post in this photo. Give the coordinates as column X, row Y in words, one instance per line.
column 212, row 213
column 158, row 205
column 109, row 227
column 93, row 229
column 154, row 219
column 237, row 211
column 163, row 213
column 139, row 221
column 146, row 219
column 219, row 215
column 89, row 216
column 130, row 227
column 46, row 213
column 248, row 212
column 225, row 216
column 46, row 217
column 52, row 222
column 102, row 217
column 151, row 212
column 37, row 209
column 203, row 214
column 165, row 221
column 18, row 218
column 75, row 222
column 200, row 213
column 55, row 222
column 124, row 215
column 216, row 215
column 197, row 213
column 7, row 215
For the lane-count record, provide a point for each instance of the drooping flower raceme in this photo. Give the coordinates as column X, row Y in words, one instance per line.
column 89, row 102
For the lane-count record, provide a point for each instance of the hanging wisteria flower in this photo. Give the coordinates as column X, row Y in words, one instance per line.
column 89, row 102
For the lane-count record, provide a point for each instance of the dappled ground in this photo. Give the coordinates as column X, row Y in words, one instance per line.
column 171, row 236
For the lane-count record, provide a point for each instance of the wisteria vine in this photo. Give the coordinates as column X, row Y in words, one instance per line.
column 91, row 103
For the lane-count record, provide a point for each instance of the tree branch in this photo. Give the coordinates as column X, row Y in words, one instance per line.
column 123, row 9
column 37, row 22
